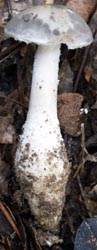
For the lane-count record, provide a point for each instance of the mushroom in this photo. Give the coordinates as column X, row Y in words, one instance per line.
column 41, row 163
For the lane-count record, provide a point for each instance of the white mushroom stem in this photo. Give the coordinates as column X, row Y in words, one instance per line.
column 43, row 101
column 41, row 161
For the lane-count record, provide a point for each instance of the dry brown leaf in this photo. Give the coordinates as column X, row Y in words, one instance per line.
column 69, row 105
column 88, row 72
column 84, row 8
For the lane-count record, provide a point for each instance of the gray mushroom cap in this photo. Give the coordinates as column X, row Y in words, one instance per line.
column 50, row 24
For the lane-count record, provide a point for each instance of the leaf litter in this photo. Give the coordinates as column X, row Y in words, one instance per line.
column 78, row 70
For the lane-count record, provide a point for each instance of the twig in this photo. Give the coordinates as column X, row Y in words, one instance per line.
column 83, row 196
column 86, row 52
column 9, row 219
column 81, row 68
column 85, row 155
column 14, row 49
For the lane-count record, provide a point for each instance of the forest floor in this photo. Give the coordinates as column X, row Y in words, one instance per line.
column 77, row 112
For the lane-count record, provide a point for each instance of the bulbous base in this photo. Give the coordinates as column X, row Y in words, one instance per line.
column 43, row 177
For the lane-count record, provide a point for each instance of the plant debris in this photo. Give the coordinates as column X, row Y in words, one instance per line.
column 77, row 111
column 69, row 112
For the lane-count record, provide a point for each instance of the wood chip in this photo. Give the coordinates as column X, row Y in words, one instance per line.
column 69, row 105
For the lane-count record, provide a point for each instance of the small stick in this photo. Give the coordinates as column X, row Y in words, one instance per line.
column 9, row 219
column 14, row 49
column 81, row 68
column 83, row 196
column 93, row 26
column 81, row 165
